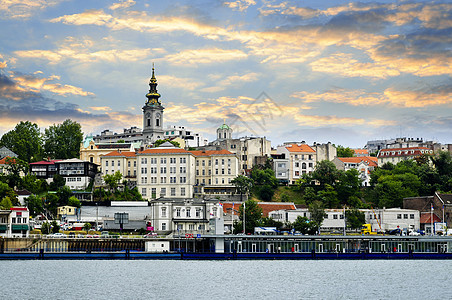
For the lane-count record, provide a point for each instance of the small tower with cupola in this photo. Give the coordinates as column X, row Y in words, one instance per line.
column 224, row 132
column 152, row 114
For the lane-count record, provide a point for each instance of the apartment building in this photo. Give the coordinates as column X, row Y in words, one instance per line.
column 165, row 171
column 302, row 159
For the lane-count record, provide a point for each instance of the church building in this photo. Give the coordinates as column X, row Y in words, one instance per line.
column 152, row 114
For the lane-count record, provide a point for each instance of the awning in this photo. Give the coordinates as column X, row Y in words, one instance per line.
column 19, row 227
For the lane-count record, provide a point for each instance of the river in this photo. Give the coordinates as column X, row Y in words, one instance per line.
column 154, row 279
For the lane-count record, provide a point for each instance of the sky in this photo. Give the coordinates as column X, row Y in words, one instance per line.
column 313, row 71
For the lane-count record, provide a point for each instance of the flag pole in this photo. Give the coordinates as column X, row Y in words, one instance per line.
column 232, row 218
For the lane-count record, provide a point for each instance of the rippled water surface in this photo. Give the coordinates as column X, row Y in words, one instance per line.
column 153, row 279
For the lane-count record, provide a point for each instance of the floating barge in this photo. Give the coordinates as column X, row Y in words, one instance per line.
column 230, row 247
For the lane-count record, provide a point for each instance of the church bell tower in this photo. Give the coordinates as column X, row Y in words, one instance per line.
column 152, row 114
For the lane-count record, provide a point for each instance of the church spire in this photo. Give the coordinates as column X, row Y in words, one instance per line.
column 153, row 96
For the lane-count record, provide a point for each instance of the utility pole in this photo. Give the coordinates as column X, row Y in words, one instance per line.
column 244, row 224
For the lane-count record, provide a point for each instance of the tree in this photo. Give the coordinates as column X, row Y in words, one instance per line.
column 325, row 172
column 86, row 226
column 243, row 184
column 25, row 140
column 45, row 228
column 63, row 140
column 58, row 182
column 36, row 186
column 348, row 187
column 304, row 225
column 35, row 205
column 7, row 191
column 329, row 197
column 344, row 152
column 51, row 204
column 64, row 193
column 253, row 215
column 6, row 203
column 55, row 227
column 354, row 218
column 284, row 197
column 74, row 202
column 269, row 222
column 309, row 195
column 159, row 142
column 15, row 168
column 113, row 180
column 318, row 214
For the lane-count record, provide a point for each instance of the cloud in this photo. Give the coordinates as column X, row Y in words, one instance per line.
column 240, row 5
column 24, row 9
column 36, row 84
column 343, row 64
column 436, row 96
column 205, row 56
column 232, row 80
column 122, row 5
column 179, row 82
column 100, row 108
column 17, row 103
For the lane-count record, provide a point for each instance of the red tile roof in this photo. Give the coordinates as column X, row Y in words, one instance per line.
column 211, row 152
column 361, row 151
column 163, row 151
column 372, row 161
column 426, row 218
column 299, row 148
column 120, row 153
column 45, row 162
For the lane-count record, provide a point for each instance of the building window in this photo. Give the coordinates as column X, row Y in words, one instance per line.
column 335, row 217
column 143, row 191
column 173, row 191
column 163, row 191
column 188, row 213
column 183, row 160
column 182, row 191
column 119, row 163
column 163, row 160
column 106, row 163
column 303, row 165
column 297, row 165
column 405, row 216
column 154, row 193
column 163, row 226
column 112, row 163
column 178, row 212
column 412, row 216
column 399, row 216
column 198, row 212
column 164, row 212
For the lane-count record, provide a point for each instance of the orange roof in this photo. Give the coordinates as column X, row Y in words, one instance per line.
column 3, row 160
column 163, row 151
column 211, row 152
column 299, row 148
column 360, row 151
column 372, row 161
column 266, row 207
column 120, row 153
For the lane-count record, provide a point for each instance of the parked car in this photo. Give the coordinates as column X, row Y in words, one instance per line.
column 150, row 235
column 57, row 235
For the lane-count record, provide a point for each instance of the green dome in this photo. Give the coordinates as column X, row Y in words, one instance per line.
column 224, row 126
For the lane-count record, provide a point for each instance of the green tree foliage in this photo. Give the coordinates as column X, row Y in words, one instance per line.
column 285, row 197
column 318, row 214
column 264, row 183
column 45, row 228
column 6, row 203
column 58, row 182
column 443, row 164
column 15, row 168
column 86, row 226
column 354, row 218
column 113, row 180
column 344, row 152
column 25, row 140
column 310, row 195
column 269, row 222
column 63, row 193
column 63, row 140
column 74, row 202
column 6, row 191
column 51, row 204
column 35, row 205
column 55, row 226
column 325, row 172
column 253, row 215
column 243, row 184
column 328, row 196
column 348, row 188
column 35, row 186
column 304, row 225
column 159, row 142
